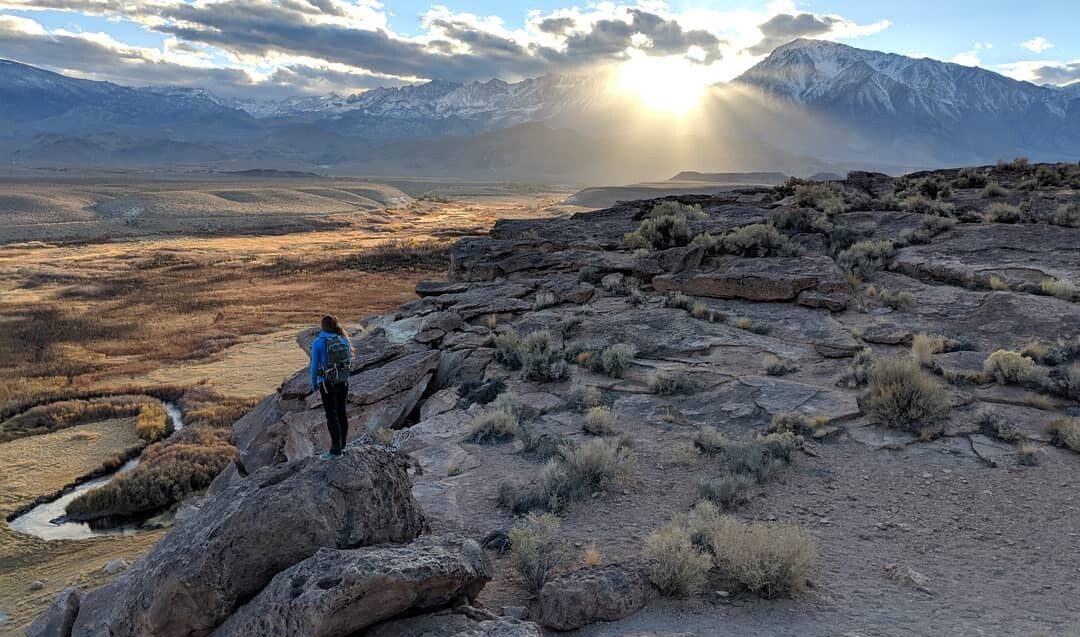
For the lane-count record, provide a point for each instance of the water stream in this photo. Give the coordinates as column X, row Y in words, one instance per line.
column 47, row 520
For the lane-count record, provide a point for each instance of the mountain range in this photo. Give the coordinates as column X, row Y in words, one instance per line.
column 810, row 105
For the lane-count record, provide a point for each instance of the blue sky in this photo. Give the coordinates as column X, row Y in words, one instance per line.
column 272, row 48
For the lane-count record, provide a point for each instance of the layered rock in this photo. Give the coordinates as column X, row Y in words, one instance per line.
column 233, row 544
column 763, row 279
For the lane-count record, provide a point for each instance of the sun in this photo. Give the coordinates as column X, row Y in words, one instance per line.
column 673, row 85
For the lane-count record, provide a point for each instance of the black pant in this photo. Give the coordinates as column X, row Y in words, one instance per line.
column 333, row 401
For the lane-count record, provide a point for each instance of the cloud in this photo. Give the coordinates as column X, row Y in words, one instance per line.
column 347, row 44
column 1037, row 44
column 971, row 58
column 1041, row 72
column 785, row 27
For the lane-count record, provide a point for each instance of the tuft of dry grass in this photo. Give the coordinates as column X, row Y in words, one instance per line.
column 1065, row 432
column 591, row 556
column 1008, row 367
column 535, row 549
column 1059, row 288
column 902, row 396
column 498, row 423
column 599, row 421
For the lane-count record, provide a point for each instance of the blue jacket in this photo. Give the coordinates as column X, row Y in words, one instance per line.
column 318, row 357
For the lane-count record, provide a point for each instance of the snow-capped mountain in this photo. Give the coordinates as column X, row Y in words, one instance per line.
column 950, row 110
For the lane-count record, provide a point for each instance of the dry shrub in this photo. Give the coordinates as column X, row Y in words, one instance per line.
column 678, row 300
column 544, row 298
column 758, row 240
column 1028, row 455
column 152, row 422
column 772, row 561
column 671, row 382
column 1008, row 367
column 1004, row 213
column 591, row 556
column 615, row 359
column 1067, row 215
column 828, row 198
column 497, row 423
column 994, row 190
column 583, row 397
column 903, row 396
column 667, row 226
column 998, row 284
column 710, row 441
column 1065, row 432
column 776, row 366
column 924, row 346
column 859, row 370
column 991, row 424
column 535, row 549
column 599, row 421
column 728, row 491
column 676, row 566
column 542, row 359
column 574, row 474
column 901, row 301
column 866, row 257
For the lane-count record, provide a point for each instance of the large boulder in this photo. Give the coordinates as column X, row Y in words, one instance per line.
column 230, row 546
column 58, row 619
column 458, row 622
column 339, row 592
column 764, row 279
column 589, row 595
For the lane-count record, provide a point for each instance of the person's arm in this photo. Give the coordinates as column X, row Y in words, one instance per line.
column 318, row 352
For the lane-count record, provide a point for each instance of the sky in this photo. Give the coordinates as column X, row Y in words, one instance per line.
column 267, row 49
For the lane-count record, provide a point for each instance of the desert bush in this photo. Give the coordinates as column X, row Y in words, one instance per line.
column 1067, row 215
column 596, row 465
column 667, row 226
column 901, row 301
column 969, row 178
column 927, row 230
column 926, row 206
column 497, row 423
column 542, row 359
column 1065, row 432
column 795, row 423
column 508, row 349
column 772, row 561
column 866, row 257
column 710, row 441
column 152, row 422
column 929, row 187
column 859, row 369
column 1059, row 288
column 599, row 421
column 583, row 397
column 615, row 359
column 828, row 198
column 1008, row 367
column 535, row 549
column 994, row 190
column 758, row 240
column 924, row 346
column 762, row 459
column 903, row 396
column 728, row 491
column 991, row 424
column 1020, row 164
column 1048, row 176
column 168, row 472
column 1004, row 213
column 671, row 382
column 751, row 326
column 787, row 188
column 792, row 219
column 776, row 366
column 675, row 565
column 998, row 284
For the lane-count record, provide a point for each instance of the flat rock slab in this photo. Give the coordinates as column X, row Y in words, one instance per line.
column 336, row 593
column 229, row 547
column 764, row 279
column 1018, row 253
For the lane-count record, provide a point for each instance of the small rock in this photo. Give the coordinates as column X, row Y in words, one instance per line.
column 517, row 612
column 36, row 585
column 115, row 566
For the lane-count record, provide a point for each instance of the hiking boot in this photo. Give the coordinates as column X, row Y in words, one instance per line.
column 326, row 455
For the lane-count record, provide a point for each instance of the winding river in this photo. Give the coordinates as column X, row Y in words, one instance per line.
column 47, row 520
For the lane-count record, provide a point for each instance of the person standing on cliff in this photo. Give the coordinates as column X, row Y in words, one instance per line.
column 331, row 361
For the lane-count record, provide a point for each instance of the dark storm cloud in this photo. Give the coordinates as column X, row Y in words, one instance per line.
column 783, row 28
column 668, row 37
column 1057, row 74
column 557, row 26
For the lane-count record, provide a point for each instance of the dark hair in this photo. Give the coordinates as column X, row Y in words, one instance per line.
column 330, row 324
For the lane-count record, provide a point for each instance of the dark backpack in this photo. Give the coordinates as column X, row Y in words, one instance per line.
column 337, row 367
